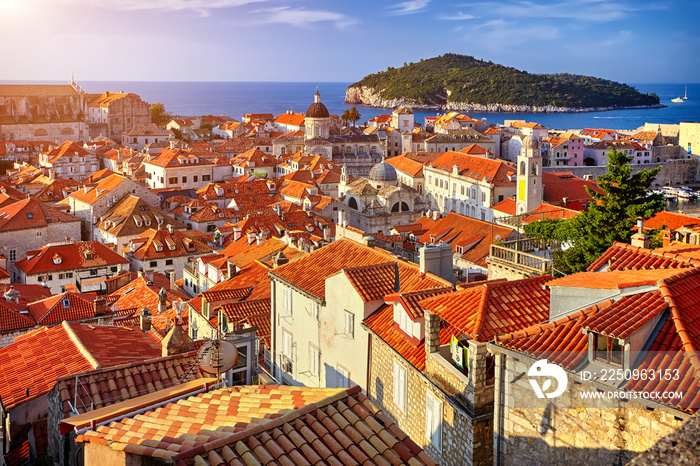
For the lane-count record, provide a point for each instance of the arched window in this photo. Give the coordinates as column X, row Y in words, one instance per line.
column 67, row 131
column 404, row 207
column 284, row 150
column 395, row 207
column 534, row 168
column 473, row 212
column 40, row 133
column 352, row 203
column 522, row 168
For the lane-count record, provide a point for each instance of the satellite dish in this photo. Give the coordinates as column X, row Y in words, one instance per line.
column 217, row 356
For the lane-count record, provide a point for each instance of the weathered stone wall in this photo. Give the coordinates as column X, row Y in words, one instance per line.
column 457, row 425
column 565, row 431
column 673, row 172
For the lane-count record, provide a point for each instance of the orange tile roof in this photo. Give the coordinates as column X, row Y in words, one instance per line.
column 622, row 256
column 250, row 282
column 86, row 254
column 179, row 243
column 469, row 237
column 295, row 119
column 246, row 425
column 626, row 315
column 64, row 306
column 486, row 310
column 35, row 360
column 670, row 220
column 374, row 282
column 476, row 149
column 170, row 158
column 310, row 272
column 111, row 385
column 406, row 165
column 30, row 213
column 615, row 279
column 548, row 211
column 476, row 168
column 507, row 206
column 560, row 185
column 142, row 293
column 14, row 316
column 66, row 148
column 91, row 194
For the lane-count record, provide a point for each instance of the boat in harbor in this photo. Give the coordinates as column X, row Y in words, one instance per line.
column 680, row 100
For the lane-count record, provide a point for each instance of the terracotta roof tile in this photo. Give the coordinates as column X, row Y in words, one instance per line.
column 310, row 272
column 616, row 279
column 489, row 309
column 64, row 306
column 30, row 213
column 626, row 315
column 86, row 254
column 476, row 168
column 110, row 385
column 219, row 427
column 622, row 256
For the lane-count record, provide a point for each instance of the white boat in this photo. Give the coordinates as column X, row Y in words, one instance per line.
column 686, row 193
column 680, row 100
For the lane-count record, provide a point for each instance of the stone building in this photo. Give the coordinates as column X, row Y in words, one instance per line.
column 379, row 202
column 467, row 184
column 320, row 301
column 70, row 161
column 139, row 136
column 43, row 112
column 175, row 167
column 29, row 225
column 629, row 312
column 112, row 114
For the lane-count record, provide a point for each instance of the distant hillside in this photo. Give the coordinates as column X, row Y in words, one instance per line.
column 455, row 82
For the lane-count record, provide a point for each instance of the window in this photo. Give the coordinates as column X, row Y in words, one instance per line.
column 287, row 349
column 343, row 377
column 433, row 420
column 608, row 349
column 349, row 324
column 462, row 190
column 287, row 300
column 399, row 386
column 113, row 268
column 314, row 360
column 195, row 178
column 153, row 264
column 168, row 262
column 172, row 180
column 184, row 179
column 13, row 255
column 206, row 177
column 483, row 196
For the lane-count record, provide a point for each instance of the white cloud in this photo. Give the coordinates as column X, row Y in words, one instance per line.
column 591, row 11
column 456, row 17
column 409, row 7
column 301, row 17
column 498, row 35
column 203, row 7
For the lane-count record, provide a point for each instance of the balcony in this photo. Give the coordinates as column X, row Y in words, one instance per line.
column 523, row 257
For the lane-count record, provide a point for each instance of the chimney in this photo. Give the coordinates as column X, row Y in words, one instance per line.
column 170, row 229
column 340, row 217
column 237, row 233
column 640, row 239
column 173, row 285
column 162, row 305
column 145, row 320
column 100, row 305
column 397, row 284
column 172, row 145
column 564, row 201
column 12, row 295
column 176, row 342
column 437, row 259
column 432, row 332
column 436, row 215
column 140, row 272
column 669, row 236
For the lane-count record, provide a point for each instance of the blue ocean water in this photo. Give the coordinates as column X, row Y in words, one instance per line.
column 236, row 98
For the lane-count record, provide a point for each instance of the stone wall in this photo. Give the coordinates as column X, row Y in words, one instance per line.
column 673, row 172
column 565, row 431
column 457, row 426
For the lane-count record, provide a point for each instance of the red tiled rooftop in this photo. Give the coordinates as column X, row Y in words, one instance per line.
column 622, row 256
column 626, row 315
column 489, row 309
column 310, row 272
column 616, row 279
column 670, row 220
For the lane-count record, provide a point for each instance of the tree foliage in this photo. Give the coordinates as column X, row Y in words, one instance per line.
column 611, row 218
column 353, row 116
column 460, row 78
column 159, row 115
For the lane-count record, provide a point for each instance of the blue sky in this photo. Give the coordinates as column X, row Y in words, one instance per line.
column 316, row 40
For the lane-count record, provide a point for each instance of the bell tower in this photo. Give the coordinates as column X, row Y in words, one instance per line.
column 530, row 192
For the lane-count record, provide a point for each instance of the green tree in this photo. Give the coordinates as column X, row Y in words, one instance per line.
column 159, row 116
column 611, row 218
column 353, row 115
column 345, row 117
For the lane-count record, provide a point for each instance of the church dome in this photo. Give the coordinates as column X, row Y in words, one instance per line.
column 530, row 143
column 317, row 109
column 383, row 172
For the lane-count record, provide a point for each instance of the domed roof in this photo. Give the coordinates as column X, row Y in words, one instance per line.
column 383, row 172
column 317, row 109
column 530, row 143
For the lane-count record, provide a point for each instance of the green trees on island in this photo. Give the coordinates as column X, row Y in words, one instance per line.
column 159, row 115
column 467, row 79
column 611, row 218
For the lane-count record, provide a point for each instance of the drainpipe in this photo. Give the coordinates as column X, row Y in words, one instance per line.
column 498, row 407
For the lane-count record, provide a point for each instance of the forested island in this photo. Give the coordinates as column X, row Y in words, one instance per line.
column 461, row 82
